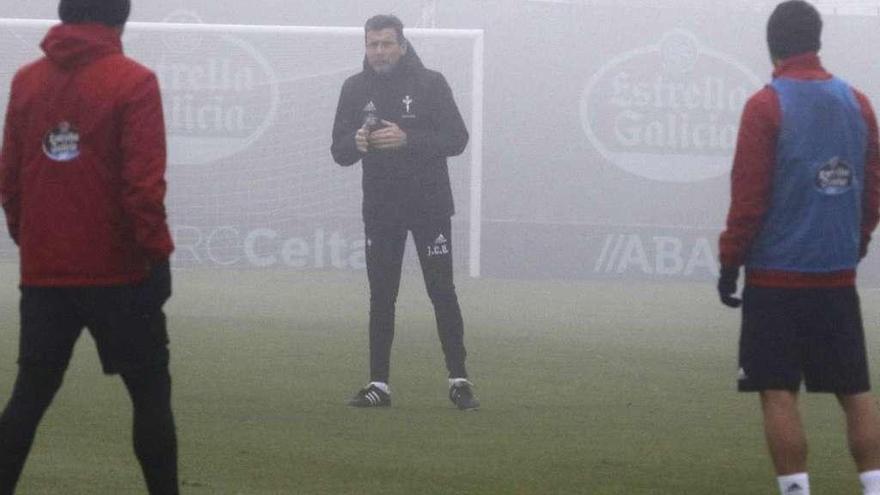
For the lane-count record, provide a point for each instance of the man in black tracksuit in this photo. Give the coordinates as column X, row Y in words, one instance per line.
column 401, row 121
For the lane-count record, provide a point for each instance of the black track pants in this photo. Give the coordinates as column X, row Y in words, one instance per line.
column 384, row 249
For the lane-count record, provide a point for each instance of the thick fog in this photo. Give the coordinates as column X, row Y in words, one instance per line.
column 601, row 134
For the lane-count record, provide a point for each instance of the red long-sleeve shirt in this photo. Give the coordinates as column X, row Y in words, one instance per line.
column 83, row 163
column 752, row 180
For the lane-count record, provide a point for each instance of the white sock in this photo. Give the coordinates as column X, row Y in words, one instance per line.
column 870, row 482
column 456, row 381
column 381, row 386
column 794, row 484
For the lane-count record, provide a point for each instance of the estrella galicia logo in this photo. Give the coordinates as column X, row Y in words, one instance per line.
column 219, row 91
column 834, row 177
column 668, row 111
column 61, row 144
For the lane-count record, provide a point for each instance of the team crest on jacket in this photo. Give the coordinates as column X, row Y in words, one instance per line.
column 61, row 144
column 407, row 107
column 834, row 177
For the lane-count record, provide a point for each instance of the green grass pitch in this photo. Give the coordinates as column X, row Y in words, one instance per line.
column 587, row 388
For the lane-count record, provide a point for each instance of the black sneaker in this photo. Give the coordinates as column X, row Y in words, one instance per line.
column 463, row 397
column 371, row 396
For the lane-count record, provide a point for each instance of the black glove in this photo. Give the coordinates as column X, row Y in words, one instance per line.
column 727, row 286
column 156, row 288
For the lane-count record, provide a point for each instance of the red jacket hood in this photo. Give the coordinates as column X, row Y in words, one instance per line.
column 73, row 45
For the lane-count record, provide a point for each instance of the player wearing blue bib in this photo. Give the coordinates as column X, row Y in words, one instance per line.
column 805, row 198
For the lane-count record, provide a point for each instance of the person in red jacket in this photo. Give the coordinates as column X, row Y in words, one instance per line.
column 805, row 199
column 82, row 186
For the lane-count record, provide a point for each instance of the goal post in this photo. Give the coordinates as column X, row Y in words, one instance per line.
column 219, row 110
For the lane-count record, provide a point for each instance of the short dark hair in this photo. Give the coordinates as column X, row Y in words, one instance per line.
column 794, row 27
column 385, row 21
column 108, row 12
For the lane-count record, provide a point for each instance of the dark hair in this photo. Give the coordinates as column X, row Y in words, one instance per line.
column 108, row 12
column 380, row 22
column 794, row 27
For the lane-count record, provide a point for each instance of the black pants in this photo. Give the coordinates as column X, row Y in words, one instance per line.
column 128, row 326
column 385, row 246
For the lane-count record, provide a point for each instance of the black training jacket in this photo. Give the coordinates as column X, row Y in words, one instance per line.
column 410, row 183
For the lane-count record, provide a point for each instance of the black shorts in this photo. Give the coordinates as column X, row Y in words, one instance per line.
column 811, row 334
column 126, row 322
